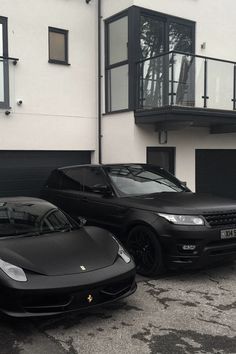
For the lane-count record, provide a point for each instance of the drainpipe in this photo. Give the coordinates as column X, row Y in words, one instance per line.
column 99, row 20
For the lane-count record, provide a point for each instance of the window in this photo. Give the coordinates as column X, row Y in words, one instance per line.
column 140, row 180
column 4, row 70
column 163, row 157
column 58, row 46
column 73, row 179
column 161, row 33
column 117, row 69
column 152, row 36
column 84, row 179
column 137, row 35
column 94, row 181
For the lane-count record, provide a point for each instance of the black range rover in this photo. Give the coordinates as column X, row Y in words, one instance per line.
column 159, row 220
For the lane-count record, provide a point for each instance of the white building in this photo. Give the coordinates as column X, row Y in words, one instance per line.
column 174, row 109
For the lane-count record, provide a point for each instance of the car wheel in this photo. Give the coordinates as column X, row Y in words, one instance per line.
column 145, row 248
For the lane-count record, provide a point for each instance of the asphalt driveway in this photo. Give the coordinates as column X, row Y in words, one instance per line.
column 192, row 312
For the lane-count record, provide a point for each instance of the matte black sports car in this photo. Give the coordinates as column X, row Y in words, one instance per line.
column 49, row 264
column 159, row 220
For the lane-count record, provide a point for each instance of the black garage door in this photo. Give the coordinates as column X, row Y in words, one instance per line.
column 24, row 172
column 216, row 172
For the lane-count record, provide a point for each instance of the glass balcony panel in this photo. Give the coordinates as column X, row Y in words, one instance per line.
column 1, row 81
column 183, row 84
column 220, row 84
column 152, row 73
column 199, row 82
column 7, row 84
column 178, row 79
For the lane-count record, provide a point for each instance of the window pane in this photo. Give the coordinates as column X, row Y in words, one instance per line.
column 180, row 37
column 94, row 180
column 73, row 179
column 1, row 66
column 137, row 180
column 152, row 36
column 57, row 46
column 1, row 40
column 118, row 88
column 118, row 40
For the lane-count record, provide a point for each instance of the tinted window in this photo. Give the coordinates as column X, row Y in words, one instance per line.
column 152, row 36
column 138, row 180
column 117, row 69
column 19, row 219
column 180, row 37
column 73, row 179
column 94, row 180
column 118, row 40
column 118, row 83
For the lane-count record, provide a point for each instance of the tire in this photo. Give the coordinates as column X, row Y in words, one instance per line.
column 145, row 248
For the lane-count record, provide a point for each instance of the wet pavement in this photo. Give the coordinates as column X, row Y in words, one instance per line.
column 191, row 312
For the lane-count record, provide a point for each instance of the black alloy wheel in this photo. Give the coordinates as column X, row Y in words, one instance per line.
column 145, row 248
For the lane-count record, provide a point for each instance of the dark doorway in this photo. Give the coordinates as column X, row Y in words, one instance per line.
column 24, row 172
column 216, row 172
column 163, row 157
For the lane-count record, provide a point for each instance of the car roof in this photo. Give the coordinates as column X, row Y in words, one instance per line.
column 105, row 165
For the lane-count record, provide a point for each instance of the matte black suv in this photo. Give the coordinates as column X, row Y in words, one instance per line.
column 159, row 220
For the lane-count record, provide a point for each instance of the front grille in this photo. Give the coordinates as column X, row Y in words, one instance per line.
column 59, row 302
column 231, row 242
column 221, row 218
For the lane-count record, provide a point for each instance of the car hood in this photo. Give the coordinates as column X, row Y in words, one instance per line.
column 61, row 253
column 182, row 203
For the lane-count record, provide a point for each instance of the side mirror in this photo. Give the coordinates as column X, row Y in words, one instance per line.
column 183, row 183
column 81, row 221
column 104, row 190
column 107, row 192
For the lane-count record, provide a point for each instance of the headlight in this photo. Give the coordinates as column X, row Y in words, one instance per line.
column 121, row 252
column 183, row 219
column 12, row 271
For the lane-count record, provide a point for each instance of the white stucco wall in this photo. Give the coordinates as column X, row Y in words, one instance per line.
column 59, row 109
column 123, row 141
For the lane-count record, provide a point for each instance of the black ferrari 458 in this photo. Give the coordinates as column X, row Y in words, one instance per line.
column 49, row 264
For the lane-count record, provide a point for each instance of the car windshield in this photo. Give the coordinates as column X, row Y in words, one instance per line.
column 31, row 219
column 141, row 180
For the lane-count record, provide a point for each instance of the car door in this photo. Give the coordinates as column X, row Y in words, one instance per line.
column 101, row 206
column 68, row 191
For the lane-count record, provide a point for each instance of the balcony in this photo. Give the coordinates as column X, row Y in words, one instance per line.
column 7, row 83
column 177, row 90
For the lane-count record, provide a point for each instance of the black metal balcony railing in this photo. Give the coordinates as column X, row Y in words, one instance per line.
column 187, row 80
column 7, row 81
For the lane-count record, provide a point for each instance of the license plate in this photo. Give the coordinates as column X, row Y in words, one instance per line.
column 230, row 233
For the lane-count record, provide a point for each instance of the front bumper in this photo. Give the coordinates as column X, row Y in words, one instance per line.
column 210, row 248
column 52, row 295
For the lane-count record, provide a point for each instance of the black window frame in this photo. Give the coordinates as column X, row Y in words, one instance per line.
column 108, row 66
column 66, row 36
column 6, row 103
column 134, row 14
